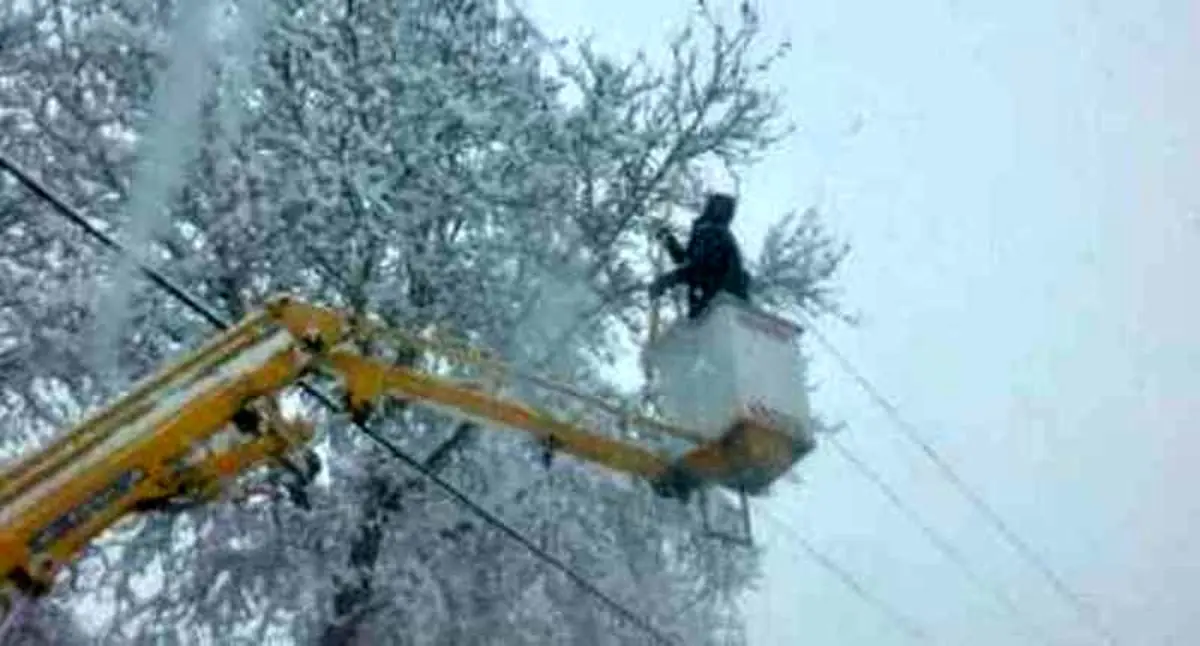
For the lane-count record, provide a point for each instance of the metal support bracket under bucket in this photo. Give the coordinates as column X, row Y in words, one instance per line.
column 743, row 539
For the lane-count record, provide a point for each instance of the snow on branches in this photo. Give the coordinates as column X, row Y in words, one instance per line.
column 441, row 164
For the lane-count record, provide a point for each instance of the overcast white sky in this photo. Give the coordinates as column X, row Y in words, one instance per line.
column 1018, row 182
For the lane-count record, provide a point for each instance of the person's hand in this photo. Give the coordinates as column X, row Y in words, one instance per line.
column 662, row 233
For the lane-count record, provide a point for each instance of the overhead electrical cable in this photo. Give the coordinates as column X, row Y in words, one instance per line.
column 210, row 315
column 894, row 616
column 939, row 542
column 1085, row 610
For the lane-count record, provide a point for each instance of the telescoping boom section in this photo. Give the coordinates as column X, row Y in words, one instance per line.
column 185, row 434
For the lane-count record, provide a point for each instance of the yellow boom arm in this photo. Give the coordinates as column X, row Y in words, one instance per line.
column 176, row 437
column 182, row 435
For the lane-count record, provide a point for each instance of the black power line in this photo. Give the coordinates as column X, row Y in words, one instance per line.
column 64, row 209
column 1085, row 610
column 898, row 619
column 221, row 322
column 939, row 542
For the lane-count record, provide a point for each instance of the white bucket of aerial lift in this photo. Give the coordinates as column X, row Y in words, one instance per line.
column 735, row 363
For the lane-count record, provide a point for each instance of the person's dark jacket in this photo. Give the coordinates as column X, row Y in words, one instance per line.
column 710, row 263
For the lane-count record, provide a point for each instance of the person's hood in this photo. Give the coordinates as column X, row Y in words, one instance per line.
column 718, row 210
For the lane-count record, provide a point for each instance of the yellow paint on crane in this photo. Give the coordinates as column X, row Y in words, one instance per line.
column 211, row 416
column 366, row 381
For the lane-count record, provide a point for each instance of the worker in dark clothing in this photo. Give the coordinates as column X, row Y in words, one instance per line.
column 711, row 262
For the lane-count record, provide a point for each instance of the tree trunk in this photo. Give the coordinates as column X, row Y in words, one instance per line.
column 353, row 590
column 352, row 599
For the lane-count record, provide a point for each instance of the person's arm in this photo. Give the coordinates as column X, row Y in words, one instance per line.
column 667, row 281
column 706, row 256
column 671, row 244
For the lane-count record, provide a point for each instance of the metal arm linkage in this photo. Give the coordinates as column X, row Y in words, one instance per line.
column 182, row 436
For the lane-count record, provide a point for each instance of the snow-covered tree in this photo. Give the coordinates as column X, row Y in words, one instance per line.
column 46, row 624
column 442, row 165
